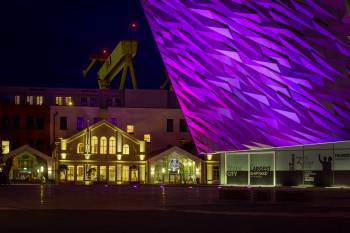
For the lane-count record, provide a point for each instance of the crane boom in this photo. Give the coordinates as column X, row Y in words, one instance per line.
column 119, row 59
column 95, row 58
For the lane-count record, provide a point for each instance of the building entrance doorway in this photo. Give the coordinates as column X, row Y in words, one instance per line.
column 27, row 168
column 134, row 174
column 174, row 166
column 175, row 178
column 174, row 171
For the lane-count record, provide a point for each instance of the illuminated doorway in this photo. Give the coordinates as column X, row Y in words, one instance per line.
column 134, row 174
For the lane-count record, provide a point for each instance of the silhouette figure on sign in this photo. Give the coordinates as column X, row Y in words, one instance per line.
column 326, row 164
column 324, row 178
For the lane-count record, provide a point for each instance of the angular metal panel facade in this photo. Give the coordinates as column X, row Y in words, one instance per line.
column 257, row 73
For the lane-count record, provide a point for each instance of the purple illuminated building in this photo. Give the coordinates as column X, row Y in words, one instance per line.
column 257, row 73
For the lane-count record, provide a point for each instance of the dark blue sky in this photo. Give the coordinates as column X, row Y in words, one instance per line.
column 47, row 43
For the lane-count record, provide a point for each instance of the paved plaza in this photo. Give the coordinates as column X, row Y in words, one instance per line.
column 148, row 208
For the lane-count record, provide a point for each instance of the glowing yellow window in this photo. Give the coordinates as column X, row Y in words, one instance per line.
column 130, row 128
column 112, row 145
column 63, row 144
column 103, row 173
column 39, row 100
column 69, row 101
column 30, row 100
column 17, row 99
column 70, row 173
column 94, row 145
column 147, row 138
column 58, row 100
column 125, row 173
column 103, row 145
column 80, row 173
column 80, row 148
column 126, row 149
column 111, row 176
column 5, row 145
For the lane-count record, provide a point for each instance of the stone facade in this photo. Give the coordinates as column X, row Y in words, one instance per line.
column 101, row 153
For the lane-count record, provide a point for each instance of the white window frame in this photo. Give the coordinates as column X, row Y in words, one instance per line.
column 126, row 149
column 103, row 145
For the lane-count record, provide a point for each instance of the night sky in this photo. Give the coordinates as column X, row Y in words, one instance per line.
column 48, row 43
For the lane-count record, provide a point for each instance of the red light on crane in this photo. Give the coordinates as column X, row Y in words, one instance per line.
column 133, row 25
column 104, row 51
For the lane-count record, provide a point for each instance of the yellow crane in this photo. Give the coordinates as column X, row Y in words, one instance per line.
column 121, row 58
column 166, row 83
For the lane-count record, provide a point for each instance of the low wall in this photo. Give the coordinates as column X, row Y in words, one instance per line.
column 335, row 196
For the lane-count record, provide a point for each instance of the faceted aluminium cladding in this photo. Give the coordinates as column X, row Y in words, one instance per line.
column 253, row 73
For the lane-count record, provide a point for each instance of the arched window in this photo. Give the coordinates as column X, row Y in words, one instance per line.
column 103, row 145
column 80, row 148
column 125, row 149
column 94, row 144
column 112, row 145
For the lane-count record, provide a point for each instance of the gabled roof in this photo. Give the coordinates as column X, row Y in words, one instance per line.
column 174, row 149
column 99, row 124
column 27, row 148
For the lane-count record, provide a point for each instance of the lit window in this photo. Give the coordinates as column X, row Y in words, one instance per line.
column 39, row 100
column 112, row 145
column 69, row 101
column 17, row 99
column 147, row 138
column 103, row 173
column 94, row 144
column 63, row 155
column 103, row 145
column 58, row 100
column 111, row 175
column 30, row 100
column 80, row 173
column 209, row 156
column 5, row 147
column 130, row 128
column 63, row 144
column 70, row 173
column 125, row 149
column 80, row 148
